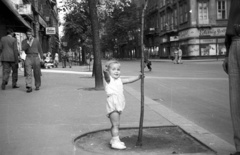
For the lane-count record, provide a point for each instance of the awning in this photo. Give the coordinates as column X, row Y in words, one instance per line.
column 19, row 17
column 42, row 22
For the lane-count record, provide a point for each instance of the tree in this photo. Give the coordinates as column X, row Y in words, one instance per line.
column 77, row 14
column 96, row 44
column 139, row 141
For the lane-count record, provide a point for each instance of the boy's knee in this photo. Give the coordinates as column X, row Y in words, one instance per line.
column 116, row 124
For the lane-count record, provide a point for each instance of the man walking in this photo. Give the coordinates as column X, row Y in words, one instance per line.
column 34, row 55
column 179, row 55
column 176, row 56
column 64, row 58
column 9, row 58
column 231, row 66
column 70, row 58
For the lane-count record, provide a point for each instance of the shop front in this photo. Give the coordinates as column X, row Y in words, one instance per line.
column 204, row 42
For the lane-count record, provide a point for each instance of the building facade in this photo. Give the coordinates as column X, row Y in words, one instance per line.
column 198, row 27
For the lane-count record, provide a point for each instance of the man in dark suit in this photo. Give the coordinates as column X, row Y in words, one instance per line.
column 231, row 66
column 34, row 56
column 9, row 51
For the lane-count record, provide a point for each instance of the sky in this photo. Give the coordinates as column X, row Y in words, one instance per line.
column 61, row 14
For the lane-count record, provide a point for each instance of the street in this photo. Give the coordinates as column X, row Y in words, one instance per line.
column 197, row 90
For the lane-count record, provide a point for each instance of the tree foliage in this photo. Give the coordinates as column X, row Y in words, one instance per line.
column 121, row 25
column 77, row 25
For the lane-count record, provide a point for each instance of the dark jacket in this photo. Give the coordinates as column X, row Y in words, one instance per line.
column 8, row 49
column 233, row 23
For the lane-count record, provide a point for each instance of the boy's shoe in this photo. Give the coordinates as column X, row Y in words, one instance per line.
column 118, row 145
column 112, row 141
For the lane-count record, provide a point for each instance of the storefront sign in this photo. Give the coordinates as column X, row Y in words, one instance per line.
column 174, row 38
column 193, row 41
column 207, row 41
column 212, row 31
column 25, row 9
column 50, row 30
column 193, row 32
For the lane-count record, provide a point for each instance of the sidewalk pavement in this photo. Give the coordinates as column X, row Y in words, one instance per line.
column 46, row 122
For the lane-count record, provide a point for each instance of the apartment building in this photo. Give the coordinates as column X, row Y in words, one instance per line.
column 196, row 26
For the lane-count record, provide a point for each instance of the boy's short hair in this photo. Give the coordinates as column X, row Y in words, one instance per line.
column 108, row 63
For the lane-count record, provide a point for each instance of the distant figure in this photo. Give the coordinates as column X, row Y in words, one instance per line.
column 115, row 99
column 56, row 60
column 147, row 63
column 179, row 55
column 9, row 58
column 231, row 66
column 176, row 56
column 34, row 56
column 64, row 59
column 70, row 58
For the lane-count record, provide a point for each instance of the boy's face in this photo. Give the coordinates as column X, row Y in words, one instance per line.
column 114, row 70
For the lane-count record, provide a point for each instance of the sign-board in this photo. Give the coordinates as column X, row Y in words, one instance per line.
column 50, row 30
column 25, row 9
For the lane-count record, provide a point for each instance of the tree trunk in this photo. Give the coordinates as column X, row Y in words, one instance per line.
column 96, row 44
column 84, row 55
column 139, row 141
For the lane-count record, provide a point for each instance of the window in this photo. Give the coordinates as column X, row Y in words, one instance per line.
column 203, row 12
column 185, row 13
column 181, row 14
column 161, row 22
column 175, row 17
column 221, row 9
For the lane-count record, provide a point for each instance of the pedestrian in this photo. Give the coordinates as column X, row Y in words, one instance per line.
column 9, row 59
column 175, row 56
column 64, row 59
column 179, row 55
column 34, row 56
column 56, row 60
column 147, row 63
column 231, row 66
column 115, row 99
column 70, row 58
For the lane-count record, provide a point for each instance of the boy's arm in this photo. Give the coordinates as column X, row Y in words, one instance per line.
column 106, row 76
column 131, row 79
